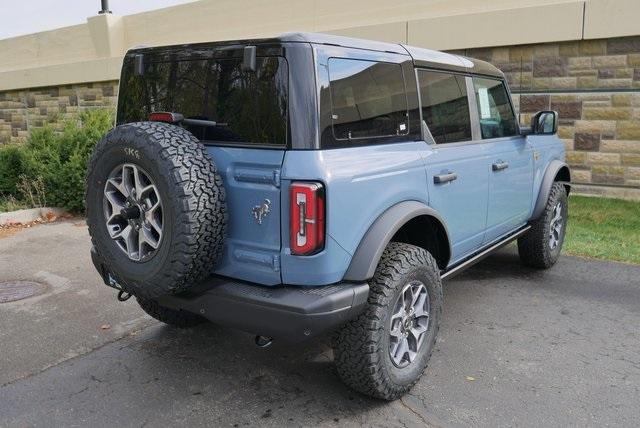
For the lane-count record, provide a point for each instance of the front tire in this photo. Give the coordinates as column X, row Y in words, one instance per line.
column 384, row 351
column 540, row 247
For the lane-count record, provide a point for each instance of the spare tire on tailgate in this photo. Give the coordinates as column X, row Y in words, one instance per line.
column 155, row 208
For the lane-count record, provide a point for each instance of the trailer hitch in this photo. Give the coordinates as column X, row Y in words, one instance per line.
column 123, row 296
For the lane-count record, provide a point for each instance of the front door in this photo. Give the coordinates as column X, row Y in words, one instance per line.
column 510, row 162
column 457, row 177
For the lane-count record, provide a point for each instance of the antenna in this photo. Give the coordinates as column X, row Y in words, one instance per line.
column 105, row 7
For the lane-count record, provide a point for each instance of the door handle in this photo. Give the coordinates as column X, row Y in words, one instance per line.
column 445, row 178
column 499, row 166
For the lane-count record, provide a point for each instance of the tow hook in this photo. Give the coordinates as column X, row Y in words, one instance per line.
column 123, row 296
column 263, row 341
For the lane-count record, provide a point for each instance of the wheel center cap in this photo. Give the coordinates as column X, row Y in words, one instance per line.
column 130, row 212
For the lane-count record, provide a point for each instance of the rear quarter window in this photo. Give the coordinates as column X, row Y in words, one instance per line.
column 368, row 101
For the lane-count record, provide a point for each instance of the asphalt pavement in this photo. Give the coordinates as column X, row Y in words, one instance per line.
column 517, row 347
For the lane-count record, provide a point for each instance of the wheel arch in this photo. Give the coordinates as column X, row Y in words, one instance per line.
column 557, row 171
column 400, row 223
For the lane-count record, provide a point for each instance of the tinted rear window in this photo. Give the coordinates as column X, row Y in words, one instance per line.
column 368, row 99
column 249, row 107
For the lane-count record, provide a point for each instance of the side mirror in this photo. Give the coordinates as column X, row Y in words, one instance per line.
column 545, row 123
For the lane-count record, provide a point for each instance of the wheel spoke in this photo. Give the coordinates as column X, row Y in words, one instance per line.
column 400, row 351
column 415, row 294
column 149, row 238
column 137, row 183
column 119, row 186
column 399, row 314
column 128, row 181
column 418, row 330
column 116, row 205
column 128, row 238
column 397, row 332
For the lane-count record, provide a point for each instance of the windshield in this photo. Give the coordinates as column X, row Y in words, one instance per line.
column 248, row 107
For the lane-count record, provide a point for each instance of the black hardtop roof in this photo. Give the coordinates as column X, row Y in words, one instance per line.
column 421, row 57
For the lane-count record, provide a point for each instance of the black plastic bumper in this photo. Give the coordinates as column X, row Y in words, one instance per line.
column 290, row 313
column 286, row 312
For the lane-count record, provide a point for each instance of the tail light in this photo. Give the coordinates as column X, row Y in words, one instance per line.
column 307, row 218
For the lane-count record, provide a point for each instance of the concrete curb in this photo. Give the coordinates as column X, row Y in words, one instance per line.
column 29, row 215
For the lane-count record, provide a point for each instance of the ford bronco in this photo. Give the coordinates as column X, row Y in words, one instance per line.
column 310, row 183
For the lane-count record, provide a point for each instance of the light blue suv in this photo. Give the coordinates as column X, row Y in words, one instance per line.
column 312, row 183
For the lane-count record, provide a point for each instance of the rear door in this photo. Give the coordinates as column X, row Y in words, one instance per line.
column 242, row 118
column 510, row 162
column 457, row 178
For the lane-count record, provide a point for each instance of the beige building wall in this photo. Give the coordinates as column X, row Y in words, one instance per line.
column 55, row 57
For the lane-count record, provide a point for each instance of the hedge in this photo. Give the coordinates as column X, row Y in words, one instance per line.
column 50, row 168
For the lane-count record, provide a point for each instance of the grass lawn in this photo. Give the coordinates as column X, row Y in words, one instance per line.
column 604, row 229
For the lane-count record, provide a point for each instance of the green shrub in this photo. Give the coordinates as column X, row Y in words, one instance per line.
column 12, row 165
column 55, row 162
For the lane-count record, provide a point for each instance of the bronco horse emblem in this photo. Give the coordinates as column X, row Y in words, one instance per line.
column 261, row 211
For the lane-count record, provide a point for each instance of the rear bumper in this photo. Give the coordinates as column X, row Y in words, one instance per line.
column 290, row 313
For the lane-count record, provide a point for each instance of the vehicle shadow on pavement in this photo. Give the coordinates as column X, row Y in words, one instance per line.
column 502, row 264
column 219, row 367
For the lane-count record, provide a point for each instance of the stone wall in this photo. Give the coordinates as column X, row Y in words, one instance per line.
column 22, row 111
column 593, row 84
column 595, row 87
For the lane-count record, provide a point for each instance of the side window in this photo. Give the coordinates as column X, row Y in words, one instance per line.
column 496, row 115
column 445, row 106
column 368, row 99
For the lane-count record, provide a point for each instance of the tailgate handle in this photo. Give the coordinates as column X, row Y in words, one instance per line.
column 445, row 178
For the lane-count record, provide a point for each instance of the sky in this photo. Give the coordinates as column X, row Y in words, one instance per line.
column 18, row 17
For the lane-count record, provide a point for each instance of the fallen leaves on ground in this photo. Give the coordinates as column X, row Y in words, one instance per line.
column 7, row 230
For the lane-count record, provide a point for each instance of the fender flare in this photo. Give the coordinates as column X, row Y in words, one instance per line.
column 375, row 240
column 545, row 186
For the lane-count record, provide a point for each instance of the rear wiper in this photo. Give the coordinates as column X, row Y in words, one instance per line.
column 202, row 122
column 170, row 117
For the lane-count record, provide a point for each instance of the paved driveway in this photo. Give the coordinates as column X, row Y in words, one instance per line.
column 552, row 348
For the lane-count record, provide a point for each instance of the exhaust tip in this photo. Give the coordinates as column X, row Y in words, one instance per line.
column 263, row 341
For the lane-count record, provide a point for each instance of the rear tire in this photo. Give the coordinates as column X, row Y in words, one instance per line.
column 368, row 353
column 176, row 318
column 540, row 247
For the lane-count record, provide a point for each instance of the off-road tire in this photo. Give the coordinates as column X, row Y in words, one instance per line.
column 176, row 318
column 361, row 347
column 533, row 247
column 193, row 204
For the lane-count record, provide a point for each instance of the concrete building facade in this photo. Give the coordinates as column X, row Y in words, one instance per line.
column 580, row 57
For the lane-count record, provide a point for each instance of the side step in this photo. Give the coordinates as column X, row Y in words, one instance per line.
column 472, row 260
